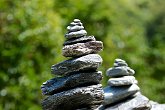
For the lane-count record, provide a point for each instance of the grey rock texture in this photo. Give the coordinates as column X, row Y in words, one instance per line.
column 80, row 49
column 75, row 24
column 139, row 102
column 75, row 30
column 60, row 84
column 122, row 81
column 120, row 71
column 76, row 34
column 77, row 82
column 82, row 39
column 74, row 98
column 121, row 85
column 157, row 106
column 116, row 94
column 87, row 62
column 120, row 62
column 122, row 93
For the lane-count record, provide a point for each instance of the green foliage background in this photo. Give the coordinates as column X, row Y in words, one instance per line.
column 32, row 34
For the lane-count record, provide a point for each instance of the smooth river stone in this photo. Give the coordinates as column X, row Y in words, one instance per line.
column 74, row 28
column 140, row 102
column 120, row 62
column 74, row 24
column 120, row 71
column 60, row 84
column 116, row 94
column 75, row 98
column 122, row 81
column 87, row 62
column 80, row 49
column 82, row 39
column 76, row 34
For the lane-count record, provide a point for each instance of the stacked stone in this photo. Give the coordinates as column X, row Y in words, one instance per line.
column 78, row 85
column 122, row 83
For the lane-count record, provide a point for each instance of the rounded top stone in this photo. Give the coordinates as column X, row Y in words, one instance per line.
column 76, row 20
column 119, row 60
column 75, row 30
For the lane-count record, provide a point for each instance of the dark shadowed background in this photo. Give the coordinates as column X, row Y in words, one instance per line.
column 32, row 33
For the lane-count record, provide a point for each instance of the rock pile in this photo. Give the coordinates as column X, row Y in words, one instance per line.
column 79, row 83
column 122, row 83
column 139, row 102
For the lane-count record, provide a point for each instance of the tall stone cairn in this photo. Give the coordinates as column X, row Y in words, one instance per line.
column 122, row 83
column 78, row 86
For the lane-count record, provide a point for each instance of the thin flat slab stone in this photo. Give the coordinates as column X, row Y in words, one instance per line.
column 120, row 71
column 81, row 97
column 80, row 49
column 60, row 84
column 122, row 81
column 76, row 24
column 76, row 34
column 116, row 94
column 74, row 28
column 82, row 39
column 87, row 62
column 139, row 102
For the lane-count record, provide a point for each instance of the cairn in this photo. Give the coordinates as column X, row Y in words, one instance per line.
column 78, row 85
column 122, row 83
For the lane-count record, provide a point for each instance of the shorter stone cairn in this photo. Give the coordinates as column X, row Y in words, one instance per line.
column 122, row 83
column 78, row 85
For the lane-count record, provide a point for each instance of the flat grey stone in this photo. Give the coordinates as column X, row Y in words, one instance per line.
column 76, row 34
column 116, row 94
column 87, row 62
column 120, row 64
column 139, row 102
column 82, row 39
column 60, row 84
column 74, row 99
column 74, row 24
column 122, row 81
column 80, row 49
column 74, row 28
column 120, row 71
